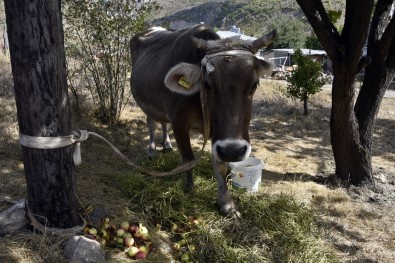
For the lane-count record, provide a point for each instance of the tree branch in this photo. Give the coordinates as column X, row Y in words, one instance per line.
column 355, row 31
column 322, row 26
column 379, row 24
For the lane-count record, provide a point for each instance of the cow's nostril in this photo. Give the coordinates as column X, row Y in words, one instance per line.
column 231, row 152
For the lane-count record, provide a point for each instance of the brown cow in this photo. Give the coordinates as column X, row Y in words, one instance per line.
column 170, row 69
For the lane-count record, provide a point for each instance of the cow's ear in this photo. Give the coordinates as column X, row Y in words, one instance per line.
column 184, row 78
column 262, row 67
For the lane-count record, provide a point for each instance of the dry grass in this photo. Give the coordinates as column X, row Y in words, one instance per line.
column 292, row 219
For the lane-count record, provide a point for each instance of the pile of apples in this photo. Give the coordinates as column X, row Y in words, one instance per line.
column 134, row 238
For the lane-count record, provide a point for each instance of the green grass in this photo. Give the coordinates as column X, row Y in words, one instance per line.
column 273, row 228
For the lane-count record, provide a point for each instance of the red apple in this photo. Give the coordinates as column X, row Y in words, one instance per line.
column 133, row 228
column 140, row 255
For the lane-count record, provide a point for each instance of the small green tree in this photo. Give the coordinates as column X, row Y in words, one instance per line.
column 97, row 35
column 305, row 80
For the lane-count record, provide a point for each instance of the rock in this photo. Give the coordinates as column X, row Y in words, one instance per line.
column 13, row 219
column 84, row 250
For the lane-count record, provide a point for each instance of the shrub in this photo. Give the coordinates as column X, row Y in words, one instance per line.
column 97, row 37
column 305, row 80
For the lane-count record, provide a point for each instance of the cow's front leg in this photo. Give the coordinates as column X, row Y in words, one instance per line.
column 181, row 134
column 226, row 205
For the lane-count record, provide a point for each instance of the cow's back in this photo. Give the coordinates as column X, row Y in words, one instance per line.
column 154, row 53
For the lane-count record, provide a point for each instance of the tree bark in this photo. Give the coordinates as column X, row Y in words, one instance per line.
column 39, row 72
column 305, row 108
column 352, row 157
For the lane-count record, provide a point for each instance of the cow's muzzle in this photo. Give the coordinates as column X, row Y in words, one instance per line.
column 231, row 150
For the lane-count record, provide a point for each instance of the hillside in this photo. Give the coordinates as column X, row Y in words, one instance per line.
column 253, row 17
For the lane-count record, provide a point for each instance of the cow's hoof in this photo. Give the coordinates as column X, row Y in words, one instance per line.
column 228, row 209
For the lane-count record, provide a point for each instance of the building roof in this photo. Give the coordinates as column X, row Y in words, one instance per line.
column 305, row 51
column 230, row 34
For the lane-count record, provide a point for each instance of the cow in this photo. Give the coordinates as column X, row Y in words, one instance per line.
column 192, row 79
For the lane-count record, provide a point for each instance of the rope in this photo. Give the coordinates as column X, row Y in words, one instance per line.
column 62, row 232
column 209, row 66
column 82, row 135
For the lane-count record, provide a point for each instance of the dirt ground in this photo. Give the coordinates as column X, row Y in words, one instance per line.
column 297, row 157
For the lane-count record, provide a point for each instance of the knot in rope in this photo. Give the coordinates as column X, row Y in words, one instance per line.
column 57, row 142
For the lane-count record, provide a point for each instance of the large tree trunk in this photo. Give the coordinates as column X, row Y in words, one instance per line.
column 379, row 73
column 352, row 157
column 352, row 160
column 39, row 71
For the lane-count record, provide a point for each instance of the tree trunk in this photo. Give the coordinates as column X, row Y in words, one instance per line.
column 352, row 160
column 305, row 109
column 39, row 72
column 352, row 157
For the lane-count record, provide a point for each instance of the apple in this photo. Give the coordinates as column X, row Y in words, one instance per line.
column 143, row 230
column 132, row 251
column 137, row 234
column 92, row 231
column 133, row 228
column 125, row 225
column 140, row 255
column 86, row 230
column 120, row 240
column 106, row 219
column 192, row 248
column 128, row 241
column 106, row 225
column 127, row 234
column 103, row 242
column 182, row 242
column 185, row 257
column 144, row 236
column 149, row 245
column 176, row 246
column 103, row 233
column 120, row 232
column 144, row 249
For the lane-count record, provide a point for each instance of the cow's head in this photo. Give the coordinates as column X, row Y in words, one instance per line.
column 227, row 79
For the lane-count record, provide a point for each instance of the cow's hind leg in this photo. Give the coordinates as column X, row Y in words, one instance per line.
column 225, row 203
column 166, row 140
column 152, row 128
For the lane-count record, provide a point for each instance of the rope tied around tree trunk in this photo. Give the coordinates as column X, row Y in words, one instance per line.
column 81, row 135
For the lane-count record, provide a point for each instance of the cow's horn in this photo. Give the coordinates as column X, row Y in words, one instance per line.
column 199, row 43
column 263, row 41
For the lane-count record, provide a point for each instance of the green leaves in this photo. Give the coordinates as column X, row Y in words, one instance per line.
column 97, row 35
column 306, row 79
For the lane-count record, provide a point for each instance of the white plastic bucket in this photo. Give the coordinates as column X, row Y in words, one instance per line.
column 247, row 174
